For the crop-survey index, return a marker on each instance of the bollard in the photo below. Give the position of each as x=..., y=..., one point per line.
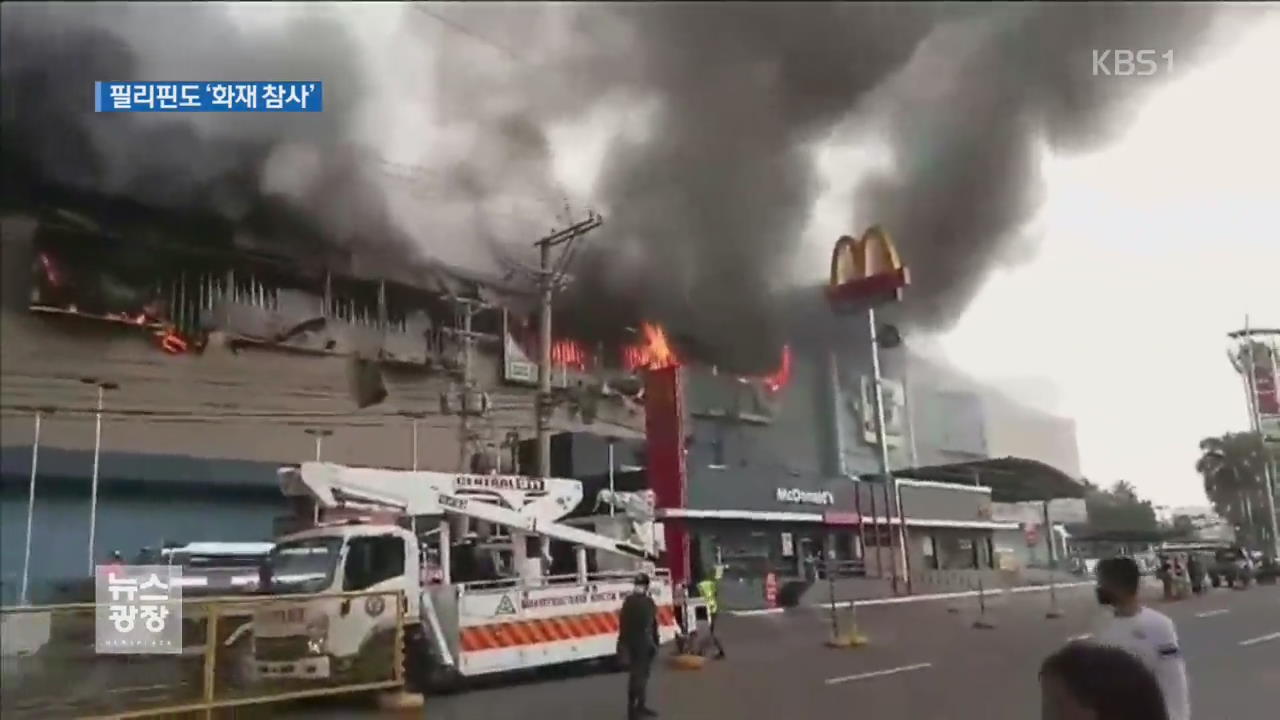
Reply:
x=689, y=656
x=850, y=638
x=954, y=585
x=983, y=622
x=400, y=700
x=1054, y=611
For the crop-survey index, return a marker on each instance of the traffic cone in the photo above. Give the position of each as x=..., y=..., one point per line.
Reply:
x=1054, y=611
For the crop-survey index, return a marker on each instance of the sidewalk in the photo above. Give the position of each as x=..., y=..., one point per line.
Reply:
x=926, y=583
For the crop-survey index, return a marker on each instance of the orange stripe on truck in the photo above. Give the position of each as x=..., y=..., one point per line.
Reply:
x=535, y=632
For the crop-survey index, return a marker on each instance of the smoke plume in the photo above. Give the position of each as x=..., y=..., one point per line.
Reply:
x=705, y=207
x=290, y=175
x=714, y=203
x=971, y=116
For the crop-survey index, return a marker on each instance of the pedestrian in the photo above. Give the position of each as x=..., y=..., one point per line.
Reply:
x=1166, y=576
x=1087, y=681
x=1147, y=634
x=638, y=645
x=1195, y=571
x=707, y=589
x=116, y=562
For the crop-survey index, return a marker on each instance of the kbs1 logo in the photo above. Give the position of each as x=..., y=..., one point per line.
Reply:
x=1126, y=63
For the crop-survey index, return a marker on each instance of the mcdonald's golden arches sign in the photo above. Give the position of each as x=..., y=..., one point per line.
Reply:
x=866, y=270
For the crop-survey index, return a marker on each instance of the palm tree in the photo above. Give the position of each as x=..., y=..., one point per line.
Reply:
x=1234, y=470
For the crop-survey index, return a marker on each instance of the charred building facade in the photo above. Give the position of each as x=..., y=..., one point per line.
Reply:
x=217, y=362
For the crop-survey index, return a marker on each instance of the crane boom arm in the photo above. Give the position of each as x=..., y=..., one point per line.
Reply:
x=542, y=502
x=531, y=524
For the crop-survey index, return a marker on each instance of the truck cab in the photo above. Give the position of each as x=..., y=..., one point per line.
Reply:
x=334, y=636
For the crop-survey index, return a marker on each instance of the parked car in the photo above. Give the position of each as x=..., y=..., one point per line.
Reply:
x=1231, y=566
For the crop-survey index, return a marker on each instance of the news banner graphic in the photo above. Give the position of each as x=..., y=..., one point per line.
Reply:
x=208, y=96
x=139, y=610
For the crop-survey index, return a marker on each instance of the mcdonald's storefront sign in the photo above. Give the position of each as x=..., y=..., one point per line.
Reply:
x=866, y=270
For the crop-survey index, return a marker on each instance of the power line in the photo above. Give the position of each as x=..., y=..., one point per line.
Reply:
x=458, y=27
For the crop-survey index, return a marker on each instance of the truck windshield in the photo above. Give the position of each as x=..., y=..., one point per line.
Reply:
x=301, y=566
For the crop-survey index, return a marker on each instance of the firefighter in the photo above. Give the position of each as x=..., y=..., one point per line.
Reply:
x=707, y=589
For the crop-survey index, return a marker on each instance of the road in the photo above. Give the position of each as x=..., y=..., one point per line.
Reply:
x=924, y=662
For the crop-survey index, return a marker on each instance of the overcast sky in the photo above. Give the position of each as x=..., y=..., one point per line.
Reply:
x=1152, y=250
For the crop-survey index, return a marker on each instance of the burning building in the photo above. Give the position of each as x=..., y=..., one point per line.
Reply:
x=224, y=361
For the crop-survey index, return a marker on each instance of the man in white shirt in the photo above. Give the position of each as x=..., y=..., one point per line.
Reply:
x=1148, y=634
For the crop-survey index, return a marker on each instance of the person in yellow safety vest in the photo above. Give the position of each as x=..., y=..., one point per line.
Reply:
x=707, y=589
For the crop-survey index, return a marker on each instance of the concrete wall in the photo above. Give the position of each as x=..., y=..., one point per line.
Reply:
x=127, y=521
x=1015, y=430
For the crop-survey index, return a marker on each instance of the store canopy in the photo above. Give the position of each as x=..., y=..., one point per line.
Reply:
x=1123, y=536
x=1010, y=479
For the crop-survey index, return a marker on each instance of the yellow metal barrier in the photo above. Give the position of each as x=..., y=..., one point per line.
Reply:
x=51, y=670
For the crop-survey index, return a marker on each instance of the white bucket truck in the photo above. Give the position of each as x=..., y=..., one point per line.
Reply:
x=524, y=591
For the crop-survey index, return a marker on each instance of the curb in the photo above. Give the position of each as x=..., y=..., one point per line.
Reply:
x=910, y=599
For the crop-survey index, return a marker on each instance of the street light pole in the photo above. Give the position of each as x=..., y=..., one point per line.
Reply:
x=31, y=501
x=612, y=508
x=882, y=444
x=319, y=434
x=102, y=386
x=414, y=417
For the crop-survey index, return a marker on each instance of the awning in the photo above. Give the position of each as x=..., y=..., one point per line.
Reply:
x=1123, y=536
x=1010, y=479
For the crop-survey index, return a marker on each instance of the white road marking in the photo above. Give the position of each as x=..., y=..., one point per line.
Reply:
x=877, y=673
x=913, y=598
x=1211, y=613
x=1260, y=639
x=1085, y=636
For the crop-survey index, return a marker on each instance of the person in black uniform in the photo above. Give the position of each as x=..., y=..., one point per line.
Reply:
x=638, y=645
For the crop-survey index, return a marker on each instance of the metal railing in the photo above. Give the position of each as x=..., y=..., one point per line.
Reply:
x=46, y=646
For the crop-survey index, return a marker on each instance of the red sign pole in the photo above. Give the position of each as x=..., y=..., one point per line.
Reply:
x=664, y=432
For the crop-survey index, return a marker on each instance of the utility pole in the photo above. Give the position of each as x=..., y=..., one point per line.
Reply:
x=550, y=277
x=882, y=446
x=469, y=308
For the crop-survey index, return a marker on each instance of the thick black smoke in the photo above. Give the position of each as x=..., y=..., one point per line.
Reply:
x=970, y=117
x=710, y=209
x=704, y=211
x=292, y=173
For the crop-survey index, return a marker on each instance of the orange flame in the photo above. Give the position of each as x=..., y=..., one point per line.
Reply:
x=778, y=379
x=569, y=353
x=171, y=342
x=654, y=353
